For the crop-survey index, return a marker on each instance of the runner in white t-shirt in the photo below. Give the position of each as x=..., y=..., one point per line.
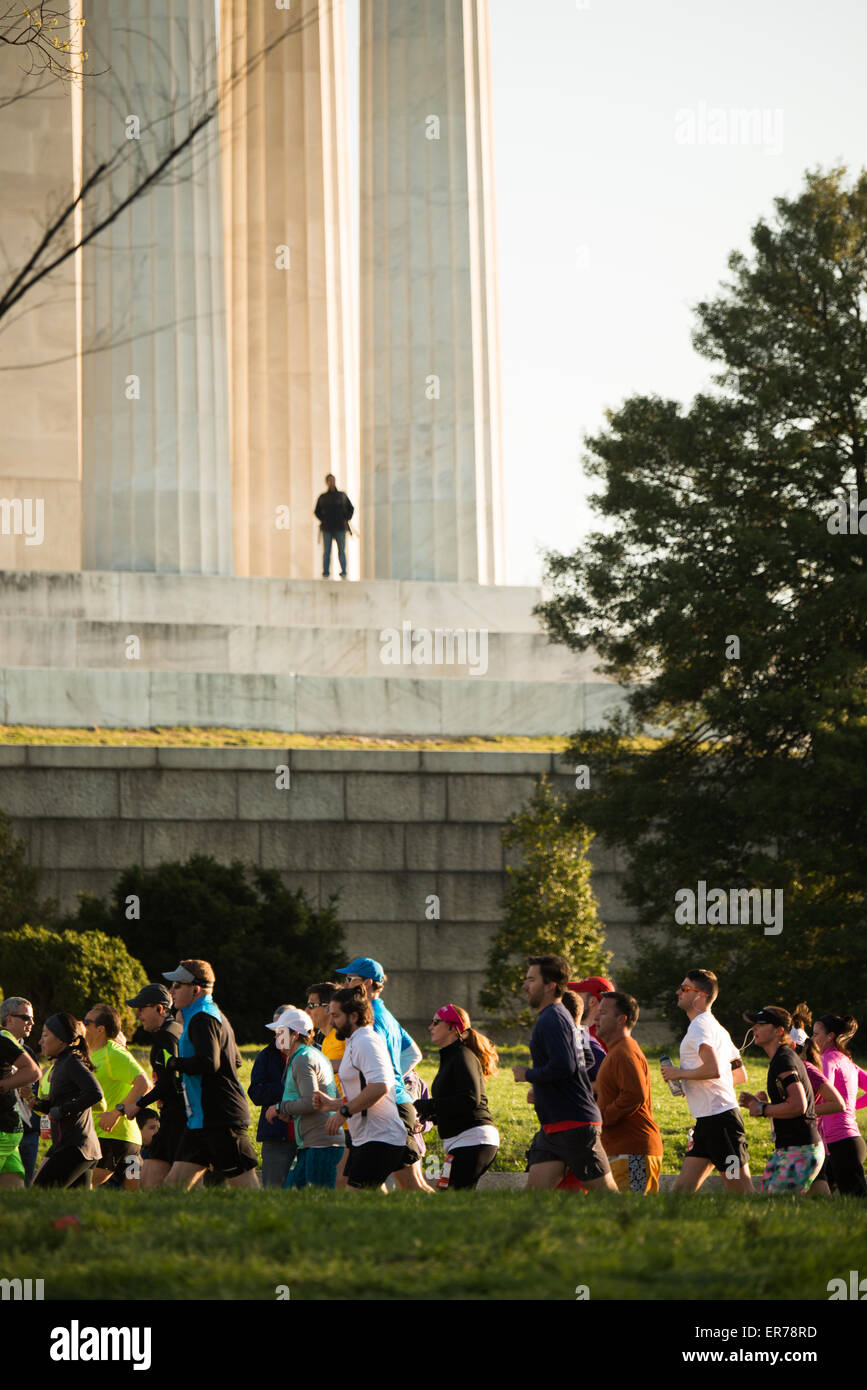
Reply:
x=377, y=1134
x=710, y=1065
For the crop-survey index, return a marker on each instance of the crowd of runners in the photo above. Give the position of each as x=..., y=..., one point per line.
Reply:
x=342, y=1104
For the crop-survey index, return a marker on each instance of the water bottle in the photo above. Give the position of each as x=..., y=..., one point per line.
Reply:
x=674, y=1086
x=443, y=1180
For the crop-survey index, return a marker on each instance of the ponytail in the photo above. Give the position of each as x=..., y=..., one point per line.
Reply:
x=843, y=1026
x=484, y=1049
x=480, y=1046
x=68, y=1029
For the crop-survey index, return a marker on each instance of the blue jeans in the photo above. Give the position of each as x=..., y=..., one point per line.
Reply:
x=327, y=538
x=27, y=1150
x=277, y=1156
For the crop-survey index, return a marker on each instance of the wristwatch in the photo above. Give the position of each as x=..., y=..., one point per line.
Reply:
x=762, y=1103
x=344, y=1110
x=120, y=1107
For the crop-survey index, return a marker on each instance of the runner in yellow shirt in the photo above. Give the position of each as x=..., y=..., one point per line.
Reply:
x=122, y=1081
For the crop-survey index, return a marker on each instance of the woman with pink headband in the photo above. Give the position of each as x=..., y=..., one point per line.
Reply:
x=458, y=1105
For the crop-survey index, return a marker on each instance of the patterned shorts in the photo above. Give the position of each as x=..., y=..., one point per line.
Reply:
x=636, y=1172
x=792, y=1170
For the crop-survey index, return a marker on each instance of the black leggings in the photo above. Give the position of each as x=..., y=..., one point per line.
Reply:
x=469, y=1164
x=64, y=1169
x=845, y=1166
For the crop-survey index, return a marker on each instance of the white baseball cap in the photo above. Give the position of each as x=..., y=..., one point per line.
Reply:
x=295, y=1019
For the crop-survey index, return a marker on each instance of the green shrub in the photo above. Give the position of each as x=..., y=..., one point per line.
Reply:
x=265, y=942
x=69, y=971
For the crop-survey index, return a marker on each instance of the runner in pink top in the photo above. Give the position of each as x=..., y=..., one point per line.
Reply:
x=845, y=1147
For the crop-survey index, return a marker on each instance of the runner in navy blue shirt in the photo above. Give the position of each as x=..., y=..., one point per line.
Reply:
x=570, y=1121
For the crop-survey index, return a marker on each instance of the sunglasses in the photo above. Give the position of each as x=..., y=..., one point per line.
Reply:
x=28, y=1018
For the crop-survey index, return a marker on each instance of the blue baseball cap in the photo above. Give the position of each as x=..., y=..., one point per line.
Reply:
x=365, y=968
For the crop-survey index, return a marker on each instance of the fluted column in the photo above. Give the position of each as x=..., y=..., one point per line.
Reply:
x=155, y=448
x=294, y=414
x=39, y=460
x=430, y=395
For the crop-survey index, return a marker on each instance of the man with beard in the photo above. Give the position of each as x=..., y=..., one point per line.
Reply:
x=377, y=1134
x=568, y=1115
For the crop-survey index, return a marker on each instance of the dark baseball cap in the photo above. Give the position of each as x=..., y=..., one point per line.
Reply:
x=151, y=994
x=771, y=1013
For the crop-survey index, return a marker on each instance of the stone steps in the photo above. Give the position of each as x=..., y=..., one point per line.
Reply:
x=129, y=596
x=68, y=643
x=61, y=697
x=292, y=655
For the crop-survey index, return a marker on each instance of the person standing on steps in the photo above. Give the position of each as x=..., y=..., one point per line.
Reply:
x=333, y=511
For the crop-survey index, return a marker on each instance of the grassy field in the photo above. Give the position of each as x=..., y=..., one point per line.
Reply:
x=222, y=1244
x=486, y=1245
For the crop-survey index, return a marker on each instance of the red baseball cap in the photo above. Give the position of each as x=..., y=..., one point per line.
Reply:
x=594, y=984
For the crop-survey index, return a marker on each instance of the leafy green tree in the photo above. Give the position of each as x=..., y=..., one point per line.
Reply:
x=723, y=596
x=549, y=905
x=19, y=883
x=69, y=971
x=265, y=942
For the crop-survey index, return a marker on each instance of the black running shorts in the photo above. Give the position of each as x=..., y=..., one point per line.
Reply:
x=719, y=1139
x=227, y=1151
x=368, y=1165
x=580, y=1149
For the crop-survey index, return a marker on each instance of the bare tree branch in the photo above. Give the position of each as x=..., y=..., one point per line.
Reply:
x=60, y=241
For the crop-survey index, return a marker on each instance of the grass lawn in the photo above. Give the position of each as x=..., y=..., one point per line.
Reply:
x=187, y=736
x=222, y=1244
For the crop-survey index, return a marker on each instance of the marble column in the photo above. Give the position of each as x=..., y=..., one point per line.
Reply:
x=39, y=461
x=154, y=402
x=294, y=414
x=430, y=393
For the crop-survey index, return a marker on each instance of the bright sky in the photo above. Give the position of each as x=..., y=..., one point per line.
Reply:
x=611, y=224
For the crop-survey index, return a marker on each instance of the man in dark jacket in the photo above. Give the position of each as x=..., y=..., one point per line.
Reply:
x=333, y=510
x=266, y=1089
x=569, y=1117
x=155, y=1012
x=207, y=1063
